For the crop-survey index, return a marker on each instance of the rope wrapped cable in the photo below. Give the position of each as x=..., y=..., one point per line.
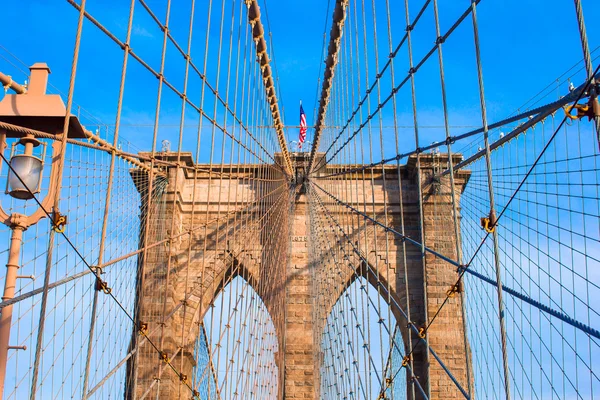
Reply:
x=92, y=270
x=335, y=35
x=101, y=144
x=465, y=268
x=164, y=81
x=539, y=114
x=270, y=89
x=587, y=60
x=394, y=304
x=8, y=83
x=397, y=88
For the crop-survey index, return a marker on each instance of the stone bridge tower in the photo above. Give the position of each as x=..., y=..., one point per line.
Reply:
x=218, y=217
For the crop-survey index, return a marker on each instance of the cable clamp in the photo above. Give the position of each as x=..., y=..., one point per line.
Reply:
x=422, y=332
x=163, y=356
x=440, y=40
x=183, y=377
x=102, y=286
x=7, y=86
x=143, y=328
x=195, y=394
x=450, y=140
x=59, y=222
x=489, y=223
x=595, y=106
x=412, y=71
x=453, y=290
x=583, y=110
x=405, y=360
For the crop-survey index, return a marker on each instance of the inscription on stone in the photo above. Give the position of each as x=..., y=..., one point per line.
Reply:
x=299, y=239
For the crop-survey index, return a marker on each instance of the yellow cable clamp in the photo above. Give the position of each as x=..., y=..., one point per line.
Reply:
x=583, y=110
x=485, y=224
x=102, y=286
x=163, y=356
x=143, y=328
x=405, y=361
x=59, y=222
x=422, y=332
x=453, y=290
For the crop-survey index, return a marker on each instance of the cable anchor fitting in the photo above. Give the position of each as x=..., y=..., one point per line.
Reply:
x=59, y=222
x=102, y=286
x=589, y=110
x=163, y=356
x=143, y=328
x=489, y=223
x=453, y=290
x=405, y=360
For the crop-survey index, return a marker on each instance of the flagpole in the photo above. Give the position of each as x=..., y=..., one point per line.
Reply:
x=299, y=141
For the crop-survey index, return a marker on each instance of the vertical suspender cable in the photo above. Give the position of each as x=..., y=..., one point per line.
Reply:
x=492, y=216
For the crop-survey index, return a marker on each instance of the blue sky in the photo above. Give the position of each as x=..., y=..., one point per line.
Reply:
x=525, y=46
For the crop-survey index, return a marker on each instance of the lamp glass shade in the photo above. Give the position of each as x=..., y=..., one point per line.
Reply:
x=29, y=168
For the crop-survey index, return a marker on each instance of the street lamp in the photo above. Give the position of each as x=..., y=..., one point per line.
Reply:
x=35, y=110
x=26, y=166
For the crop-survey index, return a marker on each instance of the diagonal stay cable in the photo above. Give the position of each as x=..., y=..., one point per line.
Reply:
x=394, y=303
x=539, y=112
x=92, y=270
x=395, y=90
x=391, y=56
x=464, y=268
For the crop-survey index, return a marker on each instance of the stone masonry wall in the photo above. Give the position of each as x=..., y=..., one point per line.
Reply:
x=227, y=220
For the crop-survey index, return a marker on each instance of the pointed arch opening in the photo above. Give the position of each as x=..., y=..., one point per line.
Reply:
x=362, y=347
x=237, y=346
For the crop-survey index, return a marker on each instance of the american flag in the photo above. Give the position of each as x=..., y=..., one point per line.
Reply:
x=303, y=127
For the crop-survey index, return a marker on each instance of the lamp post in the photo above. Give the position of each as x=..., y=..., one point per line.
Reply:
x=29, y=168
x=33, y=109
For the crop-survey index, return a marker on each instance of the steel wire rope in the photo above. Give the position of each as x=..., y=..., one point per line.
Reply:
x=540, y=112
x=465, y=268
x=353, y=309
x=394, y=303
x=91, y=269
x=462, y=268
x=161, y=77
x=411, y=72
